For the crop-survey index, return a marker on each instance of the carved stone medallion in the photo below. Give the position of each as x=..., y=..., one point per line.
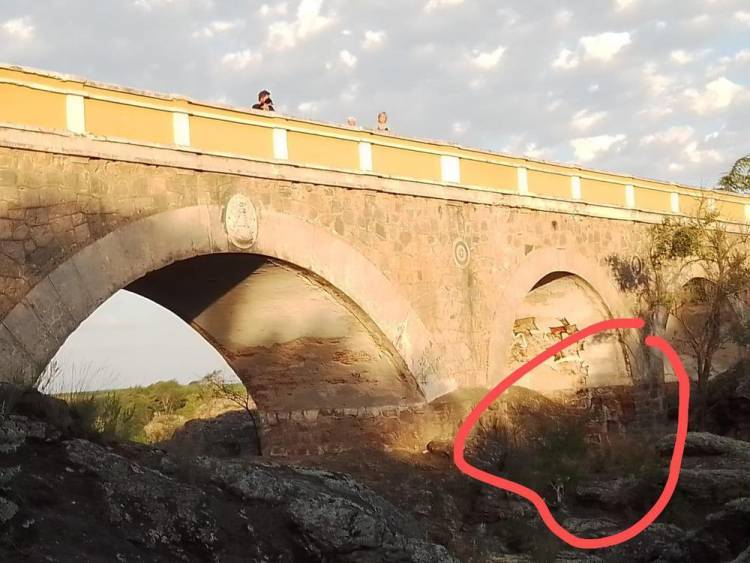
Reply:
x=241, y=221
x=461, y=253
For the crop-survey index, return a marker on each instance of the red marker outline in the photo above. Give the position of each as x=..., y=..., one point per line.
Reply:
x=532, y=496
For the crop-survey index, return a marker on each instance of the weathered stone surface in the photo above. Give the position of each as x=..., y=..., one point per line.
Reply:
x=150, y=507
x=705, y=444
x=714, y=485
x=8, y=510
x=339, y=518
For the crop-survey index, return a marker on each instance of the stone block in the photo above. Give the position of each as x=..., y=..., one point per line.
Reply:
x=72, y=291
x=31, y=333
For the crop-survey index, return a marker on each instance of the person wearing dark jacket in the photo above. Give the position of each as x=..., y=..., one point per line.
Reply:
x=264, y=101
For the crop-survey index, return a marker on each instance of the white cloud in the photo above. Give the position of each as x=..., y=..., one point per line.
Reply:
x=566, y=60
x=347, y=58
x=489, y=60
x=215, y=28
x=309, y=21
x=349, y=94
x=460, y=127
x=605, y=46
x=149, y=5
x=563, y=18
x=657, y=83
x=681, y=56
x=742, y=16
x=279, y=9
x=19, y=28
x=373, y=39
x=240, y=59
x=532, y=150
x=433, y=5
x=621, y=5
x=584, y=119
x=308, y=107
x=588, y=148
x=678, y=134
x=717, y=95
x=698, y=156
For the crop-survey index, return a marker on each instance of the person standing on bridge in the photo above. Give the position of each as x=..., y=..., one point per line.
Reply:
x=383, y=122
x=264, y=101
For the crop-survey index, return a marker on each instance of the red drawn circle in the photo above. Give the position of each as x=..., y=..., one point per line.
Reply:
x=532, y=496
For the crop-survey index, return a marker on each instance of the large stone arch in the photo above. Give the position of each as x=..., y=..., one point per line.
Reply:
x=533, y=268
x=38, y=325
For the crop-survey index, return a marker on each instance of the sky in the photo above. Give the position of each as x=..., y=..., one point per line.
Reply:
x=653, y=88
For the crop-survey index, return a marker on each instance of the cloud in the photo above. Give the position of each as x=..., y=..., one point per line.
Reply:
x=308, y=107
x=433, y=5
x=588, y=148
x=563, y=18
x=605, y=46
x=681, y=57
x=621, y=5
x=486, y=61
x=347, y=58
x=19, y=28
x=566, y=60
x=717, y=95
x=373, y=39
x=460, y=127
x=283, y=34
x=278, y=9
x=215, y=28
x=678, y=134
x=584, y=119
x=742, y=16
x=149, y=5
x=240, y=59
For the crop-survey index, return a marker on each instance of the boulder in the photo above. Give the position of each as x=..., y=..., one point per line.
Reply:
x=148, y=507
x=338, y=518
x=8, y=510
x=725, y=532
x=713, y=486
x=706, y=444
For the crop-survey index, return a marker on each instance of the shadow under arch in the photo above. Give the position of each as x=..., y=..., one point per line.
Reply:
x=38, y=325
x=546, y=264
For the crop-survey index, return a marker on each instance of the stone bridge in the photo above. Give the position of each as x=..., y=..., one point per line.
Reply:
x=448, y=265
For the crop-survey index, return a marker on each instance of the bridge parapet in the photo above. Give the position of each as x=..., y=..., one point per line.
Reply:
x=31, y=98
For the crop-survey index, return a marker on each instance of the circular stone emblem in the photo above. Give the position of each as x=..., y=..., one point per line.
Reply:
x=241, y=221
x=461, y=253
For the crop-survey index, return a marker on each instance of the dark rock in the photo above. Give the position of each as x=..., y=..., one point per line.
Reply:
x=724, y=533
x=229, y=434
x=149, y=507
x=8, y=510
x=713, y=485
x=590, y=527
x=338, y=518
x=15, y=430
x=619, y=492
x=659, y=543
x=706, y=444
x=441, y=447
x=743, y=557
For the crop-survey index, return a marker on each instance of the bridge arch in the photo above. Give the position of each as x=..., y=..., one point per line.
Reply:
x=38, y=325
x=535, y=269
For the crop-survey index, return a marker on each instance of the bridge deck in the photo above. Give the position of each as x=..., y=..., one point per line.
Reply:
x=39, y=99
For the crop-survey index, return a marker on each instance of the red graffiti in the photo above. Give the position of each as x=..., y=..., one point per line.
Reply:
x=534, y=497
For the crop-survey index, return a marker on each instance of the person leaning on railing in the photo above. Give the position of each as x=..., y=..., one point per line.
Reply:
x=264, y=101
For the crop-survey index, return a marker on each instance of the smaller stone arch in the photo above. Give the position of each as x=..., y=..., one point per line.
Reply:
x=536, y=266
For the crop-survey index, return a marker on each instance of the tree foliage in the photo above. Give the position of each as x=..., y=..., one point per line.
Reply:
x=701, y=248
x=738, y=179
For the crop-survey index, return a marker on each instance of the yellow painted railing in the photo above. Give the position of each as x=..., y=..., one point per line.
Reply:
x=39, y=99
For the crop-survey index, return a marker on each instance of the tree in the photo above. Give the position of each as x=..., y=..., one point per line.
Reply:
x=218, y=387
x=701, y=244
x=738, y=179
